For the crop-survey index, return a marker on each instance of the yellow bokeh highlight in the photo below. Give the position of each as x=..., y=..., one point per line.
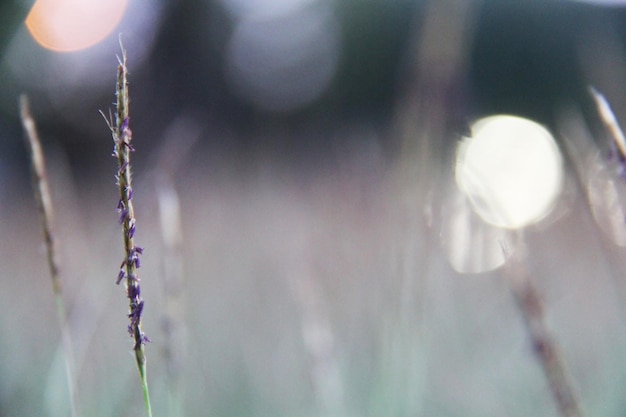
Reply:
x=73, y=25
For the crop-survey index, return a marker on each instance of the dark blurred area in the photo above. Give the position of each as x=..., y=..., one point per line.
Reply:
x=288, y=77
x=191, y=65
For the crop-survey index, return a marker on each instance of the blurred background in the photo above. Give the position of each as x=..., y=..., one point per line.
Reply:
x=312, y=247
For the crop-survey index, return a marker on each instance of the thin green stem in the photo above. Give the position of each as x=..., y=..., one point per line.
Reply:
x=68, y=353
x=141, y=365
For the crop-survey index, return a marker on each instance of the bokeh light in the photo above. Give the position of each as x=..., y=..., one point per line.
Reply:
x=72, y=25
x=264, y=8
x=283, y=61
x=72, y=81
x=471, y=245
x=510, y=170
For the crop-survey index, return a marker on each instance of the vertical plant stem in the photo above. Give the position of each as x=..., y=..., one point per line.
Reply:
x=44, y=207
x=122, y=136
x=178, y=141
x=173, y=283
x=544, y=346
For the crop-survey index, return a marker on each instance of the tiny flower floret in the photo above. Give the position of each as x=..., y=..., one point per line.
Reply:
x=120, y=276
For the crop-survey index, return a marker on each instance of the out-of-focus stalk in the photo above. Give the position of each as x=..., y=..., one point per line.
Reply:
x=44, y=206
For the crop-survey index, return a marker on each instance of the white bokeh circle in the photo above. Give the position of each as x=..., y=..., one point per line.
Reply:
x=510, y=169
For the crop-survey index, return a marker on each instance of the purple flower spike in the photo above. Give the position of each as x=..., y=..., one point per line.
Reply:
x=123, y=215
x=123, y=168
x=143, y=340
x=125, y=124
x=134, y=291
x=122, y=137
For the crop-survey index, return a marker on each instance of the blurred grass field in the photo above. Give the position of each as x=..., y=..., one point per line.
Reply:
x=304, y=295
x=316, y=210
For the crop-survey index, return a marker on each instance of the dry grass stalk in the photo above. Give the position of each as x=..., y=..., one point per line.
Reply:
x=544, y=346
x=46, y=214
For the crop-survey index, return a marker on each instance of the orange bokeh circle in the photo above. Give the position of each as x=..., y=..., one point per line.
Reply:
x=72, y=25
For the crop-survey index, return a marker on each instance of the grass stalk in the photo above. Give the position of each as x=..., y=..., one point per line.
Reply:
x=173, y=283
x=122, y=136
x=179, y=139
x=544, y=346
x=46, y=214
